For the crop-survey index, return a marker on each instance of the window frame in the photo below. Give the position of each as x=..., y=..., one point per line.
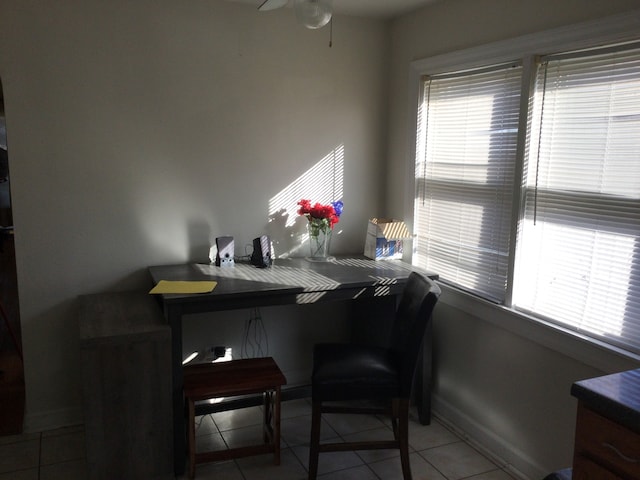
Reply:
x=615, y=29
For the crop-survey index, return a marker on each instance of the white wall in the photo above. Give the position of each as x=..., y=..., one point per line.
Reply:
x=501, y=379
x=140, y=131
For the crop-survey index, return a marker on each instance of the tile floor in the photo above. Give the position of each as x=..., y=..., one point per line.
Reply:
x=437, y=452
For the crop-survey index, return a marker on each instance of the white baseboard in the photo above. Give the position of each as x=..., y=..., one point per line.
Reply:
x=516, y=462
x=50, y=420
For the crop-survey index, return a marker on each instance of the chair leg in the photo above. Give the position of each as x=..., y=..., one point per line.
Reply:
x=314, y=445
x=403, y=437
x=191, y=437
x=394, y=421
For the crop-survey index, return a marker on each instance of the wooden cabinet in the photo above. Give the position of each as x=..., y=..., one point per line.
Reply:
x=585, y=469
x=12, y=388
x=607, y=442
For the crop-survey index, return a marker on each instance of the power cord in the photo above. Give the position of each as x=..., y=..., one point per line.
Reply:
x=255, y=335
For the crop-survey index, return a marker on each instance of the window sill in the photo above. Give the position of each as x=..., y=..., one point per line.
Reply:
x=572, y=344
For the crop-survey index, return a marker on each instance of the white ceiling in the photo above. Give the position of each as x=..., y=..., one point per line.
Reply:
x=365, y=8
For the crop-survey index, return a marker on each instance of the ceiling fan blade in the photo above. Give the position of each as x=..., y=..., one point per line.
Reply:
x=272, y=5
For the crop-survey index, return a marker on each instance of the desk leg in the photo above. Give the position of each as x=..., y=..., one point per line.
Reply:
x=372, y=320
x=174, y=318
x=422, y=384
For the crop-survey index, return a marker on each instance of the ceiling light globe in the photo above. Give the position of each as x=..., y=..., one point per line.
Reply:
x=313, y=13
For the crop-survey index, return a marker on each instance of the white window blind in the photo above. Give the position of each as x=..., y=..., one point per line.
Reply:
x=578, y=260
x=465, y=160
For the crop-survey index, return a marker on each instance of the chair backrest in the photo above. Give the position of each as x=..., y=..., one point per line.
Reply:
x=413, y=315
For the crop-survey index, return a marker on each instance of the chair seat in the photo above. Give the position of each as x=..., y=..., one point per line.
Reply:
x=351, y=372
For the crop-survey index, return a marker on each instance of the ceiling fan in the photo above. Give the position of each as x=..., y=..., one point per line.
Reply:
x=310, y=13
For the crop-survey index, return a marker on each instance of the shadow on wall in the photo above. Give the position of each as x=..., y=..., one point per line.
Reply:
x=199, y=233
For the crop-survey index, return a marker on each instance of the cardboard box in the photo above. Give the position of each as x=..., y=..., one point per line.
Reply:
x=384, y=239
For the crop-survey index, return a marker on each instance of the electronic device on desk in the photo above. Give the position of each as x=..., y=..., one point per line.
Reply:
x=261, y=256
x=226, y=250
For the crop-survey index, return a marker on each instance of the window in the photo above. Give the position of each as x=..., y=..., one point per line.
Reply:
x=579, y=251
x=464, y=170
x=544, y=219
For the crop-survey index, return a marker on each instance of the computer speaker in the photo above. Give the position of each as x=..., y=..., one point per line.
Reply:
x=261, y=256
x=226, y=250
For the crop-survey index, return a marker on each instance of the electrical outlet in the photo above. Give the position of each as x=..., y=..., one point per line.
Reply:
x=212, y=354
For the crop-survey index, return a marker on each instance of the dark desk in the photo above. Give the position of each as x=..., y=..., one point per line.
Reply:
x=287, y=282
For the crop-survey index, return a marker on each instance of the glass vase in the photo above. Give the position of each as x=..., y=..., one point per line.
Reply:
x=319, y=243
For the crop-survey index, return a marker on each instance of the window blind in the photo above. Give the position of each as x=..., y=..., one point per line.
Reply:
x=465, y=160
x=578, y=256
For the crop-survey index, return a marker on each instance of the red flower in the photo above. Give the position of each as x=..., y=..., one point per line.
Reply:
x=325, y=213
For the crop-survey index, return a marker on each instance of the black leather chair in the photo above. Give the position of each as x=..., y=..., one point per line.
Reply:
x=380, y=377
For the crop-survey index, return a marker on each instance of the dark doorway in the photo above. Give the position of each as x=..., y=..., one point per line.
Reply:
x=12, y=390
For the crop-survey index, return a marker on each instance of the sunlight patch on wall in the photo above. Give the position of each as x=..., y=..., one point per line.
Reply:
x=323, y=183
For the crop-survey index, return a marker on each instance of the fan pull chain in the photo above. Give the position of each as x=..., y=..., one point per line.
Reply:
x=331, y=32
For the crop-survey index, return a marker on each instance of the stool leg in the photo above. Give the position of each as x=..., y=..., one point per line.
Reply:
x=266, y=417
x=276, y=427
x=191, y=437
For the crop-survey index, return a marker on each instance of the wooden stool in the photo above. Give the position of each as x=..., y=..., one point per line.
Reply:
x=230, y=379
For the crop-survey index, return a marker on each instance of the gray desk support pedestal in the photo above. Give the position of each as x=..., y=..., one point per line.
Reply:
x=126, y=375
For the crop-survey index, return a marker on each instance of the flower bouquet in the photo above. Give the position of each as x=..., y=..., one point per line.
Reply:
x=322, y=219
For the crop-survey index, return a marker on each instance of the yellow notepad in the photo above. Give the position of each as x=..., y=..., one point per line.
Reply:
x=169, y=286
